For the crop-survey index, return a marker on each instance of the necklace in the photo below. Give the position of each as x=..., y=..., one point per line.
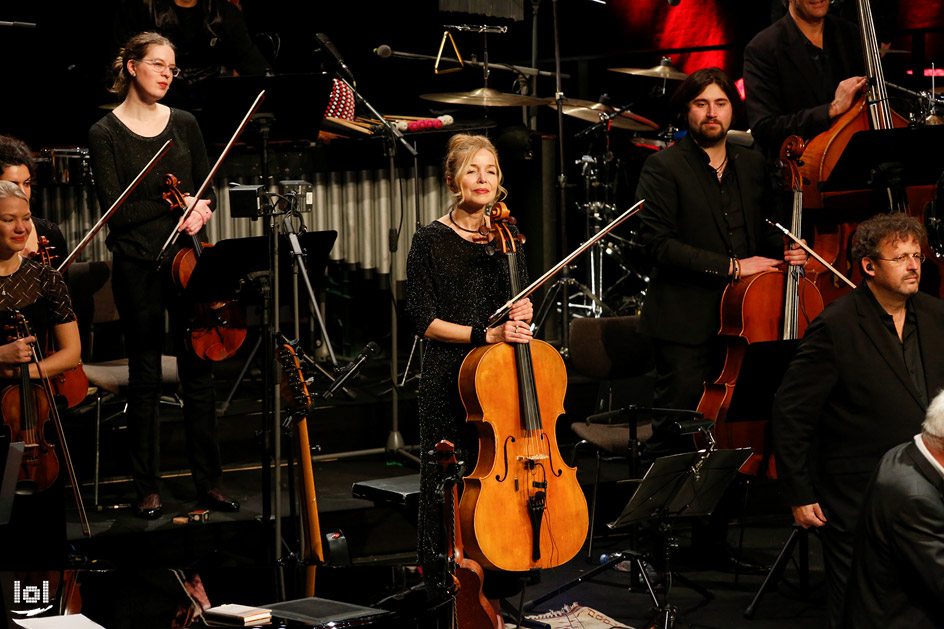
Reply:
x=470, y=231
x=720, y=169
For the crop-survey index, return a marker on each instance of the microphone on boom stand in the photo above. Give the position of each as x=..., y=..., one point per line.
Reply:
x=348, y=372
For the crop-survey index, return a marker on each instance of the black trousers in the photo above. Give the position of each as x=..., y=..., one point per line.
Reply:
x=681, y=372
x=142, y=293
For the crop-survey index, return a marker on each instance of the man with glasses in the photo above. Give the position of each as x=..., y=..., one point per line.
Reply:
x=859, y=385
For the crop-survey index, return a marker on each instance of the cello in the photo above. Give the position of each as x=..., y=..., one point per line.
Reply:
x=513, y=395
x=871, y=112
x=758, y=308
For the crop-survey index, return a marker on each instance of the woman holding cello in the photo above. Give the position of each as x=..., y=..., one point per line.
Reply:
x=39, y=293
x=454, y=282
x=121, y=144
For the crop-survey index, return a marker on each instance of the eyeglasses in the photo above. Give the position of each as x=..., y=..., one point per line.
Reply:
x=160, y=66
x=919, y=257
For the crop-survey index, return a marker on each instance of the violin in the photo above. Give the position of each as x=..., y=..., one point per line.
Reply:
x=217, y=329
x=70, y=385
x=25, y=409
x=471, y=610
x=758, y=308
x=522, y=507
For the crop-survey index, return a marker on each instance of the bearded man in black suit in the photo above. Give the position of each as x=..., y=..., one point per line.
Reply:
x=898, y=569
x=858, y=385
x=702, y=225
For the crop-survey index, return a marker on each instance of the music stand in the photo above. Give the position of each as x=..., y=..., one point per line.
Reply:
x=869, y=153
x=680, y=485
x=10, y=456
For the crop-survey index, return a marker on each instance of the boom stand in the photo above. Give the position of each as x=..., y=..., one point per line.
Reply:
x=392, y=136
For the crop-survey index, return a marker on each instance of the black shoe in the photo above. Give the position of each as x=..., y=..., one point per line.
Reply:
x=149, y=507
x=215, y=499
x=728, y=561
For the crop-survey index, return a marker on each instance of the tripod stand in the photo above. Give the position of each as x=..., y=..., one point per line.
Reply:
x=681, y=485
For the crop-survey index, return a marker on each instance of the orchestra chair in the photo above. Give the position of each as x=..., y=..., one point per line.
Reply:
x=94, y=305
x=608, y=349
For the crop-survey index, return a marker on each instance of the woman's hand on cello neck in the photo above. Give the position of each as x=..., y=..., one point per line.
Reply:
x=517, y=329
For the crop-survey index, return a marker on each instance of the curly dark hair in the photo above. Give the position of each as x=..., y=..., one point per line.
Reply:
x=14, y=152
x=868, y=237
x=695, y=84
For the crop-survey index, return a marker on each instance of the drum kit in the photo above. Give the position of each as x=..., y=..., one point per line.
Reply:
x=623, y=292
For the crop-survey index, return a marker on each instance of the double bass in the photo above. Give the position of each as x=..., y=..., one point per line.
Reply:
x=833, y=237
x=768, y=306
x=522, y=507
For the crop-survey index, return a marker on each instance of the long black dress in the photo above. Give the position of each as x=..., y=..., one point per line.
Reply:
x=462, y=282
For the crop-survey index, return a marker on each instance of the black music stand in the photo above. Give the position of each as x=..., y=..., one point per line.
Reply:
x=681, y=485
x=10, y=456
x=910, y=154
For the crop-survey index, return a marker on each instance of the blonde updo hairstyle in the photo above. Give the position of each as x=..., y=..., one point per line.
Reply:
x=134, y=50
x=461, y=149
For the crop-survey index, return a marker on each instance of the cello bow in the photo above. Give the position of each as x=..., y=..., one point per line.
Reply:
x=810, y=251
x=551, y=272
x=69, y=259
x=162, y=255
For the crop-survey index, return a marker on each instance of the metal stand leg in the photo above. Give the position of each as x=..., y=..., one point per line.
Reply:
x=798, y=535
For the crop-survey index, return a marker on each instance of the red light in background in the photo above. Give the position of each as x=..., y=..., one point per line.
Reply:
x=740, y=85
x=930, y=72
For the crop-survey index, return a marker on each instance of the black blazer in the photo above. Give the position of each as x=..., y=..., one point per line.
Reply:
x=781, y=97
x=847, y=398
x=898, y=569
x=685, y=235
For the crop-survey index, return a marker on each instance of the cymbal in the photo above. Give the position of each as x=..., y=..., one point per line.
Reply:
x=484, y=97
x=590, y=111
x=658, y=72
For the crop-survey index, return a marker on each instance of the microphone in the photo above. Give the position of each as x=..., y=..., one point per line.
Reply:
x=385, y=52
x=348, y=372
x=326, y=45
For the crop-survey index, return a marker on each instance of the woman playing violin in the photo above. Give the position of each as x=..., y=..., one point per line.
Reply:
x=454, y=282
x=39, y=293
x=121, y=144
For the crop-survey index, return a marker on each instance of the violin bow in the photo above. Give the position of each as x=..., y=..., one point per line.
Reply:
x=810, y=251
x=69, y=259
x=174, y=235
x=504, y=310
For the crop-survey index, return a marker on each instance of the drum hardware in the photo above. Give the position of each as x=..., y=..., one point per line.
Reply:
x=485, y=97
x=600, y=113
x=664, y=71
x=927, y=107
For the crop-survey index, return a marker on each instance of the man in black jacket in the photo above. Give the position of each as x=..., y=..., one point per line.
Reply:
x=859, y=385
x=898, y=570
x=702, y=225
x=801, y=73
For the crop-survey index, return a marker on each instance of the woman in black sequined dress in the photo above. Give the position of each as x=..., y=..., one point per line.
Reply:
x=455, y=281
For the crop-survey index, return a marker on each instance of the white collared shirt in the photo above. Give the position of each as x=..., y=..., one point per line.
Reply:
x=927, y=454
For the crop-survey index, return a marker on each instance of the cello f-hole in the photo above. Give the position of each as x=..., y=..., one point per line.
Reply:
x=502, y=478
x=550, y=460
